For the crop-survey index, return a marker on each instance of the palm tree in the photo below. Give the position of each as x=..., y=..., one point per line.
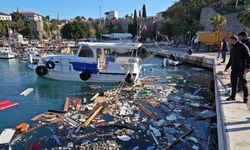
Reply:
x=218, y=22
x=244, y=16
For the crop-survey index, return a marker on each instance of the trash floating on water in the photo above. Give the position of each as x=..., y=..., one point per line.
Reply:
x=171, y=117
x=27, y=92
x=193, y=139
x=7, y=104
x=195, y=147
x=6, y=136
x=124, y=138
x=153, y=112
x=206, y=114
x=23, y=127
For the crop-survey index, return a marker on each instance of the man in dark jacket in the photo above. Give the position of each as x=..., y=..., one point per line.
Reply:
x=239, y=62
x=224, y=50
x=243, y=37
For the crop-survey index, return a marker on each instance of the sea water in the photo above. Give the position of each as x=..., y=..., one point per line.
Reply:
x=15, y=78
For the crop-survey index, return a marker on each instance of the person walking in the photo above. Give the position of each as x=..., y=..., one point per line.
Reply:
x=243, y=37
x=224, y=50
x=239, y=62
x=219, y=49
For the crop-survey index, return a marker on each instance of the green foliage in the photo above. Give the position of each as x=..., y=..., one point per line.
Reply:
x=183, y=17
x=54, y=25
x=79, y=18
x=135, y=21
x=244, y=16
x=29, y=30
x=2, y=30
x=76, y=30
x=133, y=28
x=218, y=22
x=144, y=11
x=23, y=26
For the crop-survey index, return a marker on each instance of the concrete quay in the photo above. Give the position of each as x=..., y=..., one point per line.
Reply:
x=233, y=117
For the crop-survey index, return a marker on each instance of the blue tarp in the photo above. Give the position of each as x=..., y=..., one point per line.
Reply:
x=81, y=66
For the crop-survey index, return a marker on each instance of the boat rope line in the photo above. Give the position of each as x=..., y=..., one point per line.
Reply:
x=154, y=54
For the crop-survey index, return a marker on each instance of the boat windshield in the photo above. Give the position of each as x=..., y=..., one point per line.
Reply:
x=86, y=52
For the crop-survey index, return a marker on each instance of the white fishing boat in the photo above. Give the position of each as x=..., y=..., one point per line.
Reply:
x=94, y=62
x=34, y=60
x=6, y=53
x=28, y=52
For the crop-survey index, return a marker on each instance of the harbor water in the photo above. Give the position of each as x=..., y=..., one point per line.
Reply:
x=15, y=78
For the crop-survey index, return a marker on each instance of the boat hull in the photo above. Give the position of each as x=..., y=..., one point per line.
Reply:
x=8, y=56
x=99, y=77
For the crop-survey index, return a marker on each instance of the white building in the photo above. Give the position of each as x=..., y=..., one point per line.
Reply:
x=111, y=15
x=37, y=19
x=4, y=16
x=32, y=16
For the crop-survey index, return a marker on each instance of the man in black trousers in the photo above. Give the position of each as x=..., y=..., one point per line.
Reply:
x=239, y=62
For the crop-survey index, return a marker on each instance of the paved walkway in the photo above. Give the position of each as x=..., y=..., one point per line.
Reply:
x=233, y=116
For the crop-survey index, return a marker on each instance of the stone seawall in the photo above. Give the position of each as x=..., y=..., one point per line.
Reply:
x=233, y=23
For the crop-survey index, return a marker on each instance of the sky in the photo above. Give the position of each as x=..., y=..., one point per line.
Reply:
x=68, y=9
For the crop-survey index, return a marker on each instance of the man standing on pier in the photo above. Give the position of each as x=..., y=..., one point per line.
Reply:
x=239, y=62
x=243, y=37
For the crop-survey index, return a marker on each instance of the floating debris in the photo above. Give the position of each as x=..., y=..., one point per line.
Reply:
x=124, y=138
x=27, y=91
x=138, y=114
x=193, y=139
x=7, y=104
x=6, y=136
x=171, y=117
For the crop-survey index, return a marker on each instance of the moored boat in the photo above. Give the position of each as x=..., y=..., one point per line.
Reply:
x=94, y=62
x=28, y=52
x=6, y=53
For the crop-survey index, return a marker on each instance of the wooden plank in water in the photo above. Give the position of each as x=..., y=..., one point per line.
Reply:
x=38, y=117
x=66, y=105
x=146, y=111
x=92, y=116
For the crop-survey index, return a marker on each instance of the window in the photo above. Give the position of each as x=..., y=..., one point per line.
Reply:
x=86, y=52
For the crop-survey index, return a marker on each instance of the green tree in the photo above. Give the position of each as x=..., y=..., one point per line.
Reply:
x=76, y=30
x=24, y=26
x=90, y=19
x=140, y=14
x=182, y=18
x=79, y=18
x=218, y=22
x=244, y=16
x=133, y=28
x=2, y=30
x=54, y=25
x=135, y=18
x=144, y=11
